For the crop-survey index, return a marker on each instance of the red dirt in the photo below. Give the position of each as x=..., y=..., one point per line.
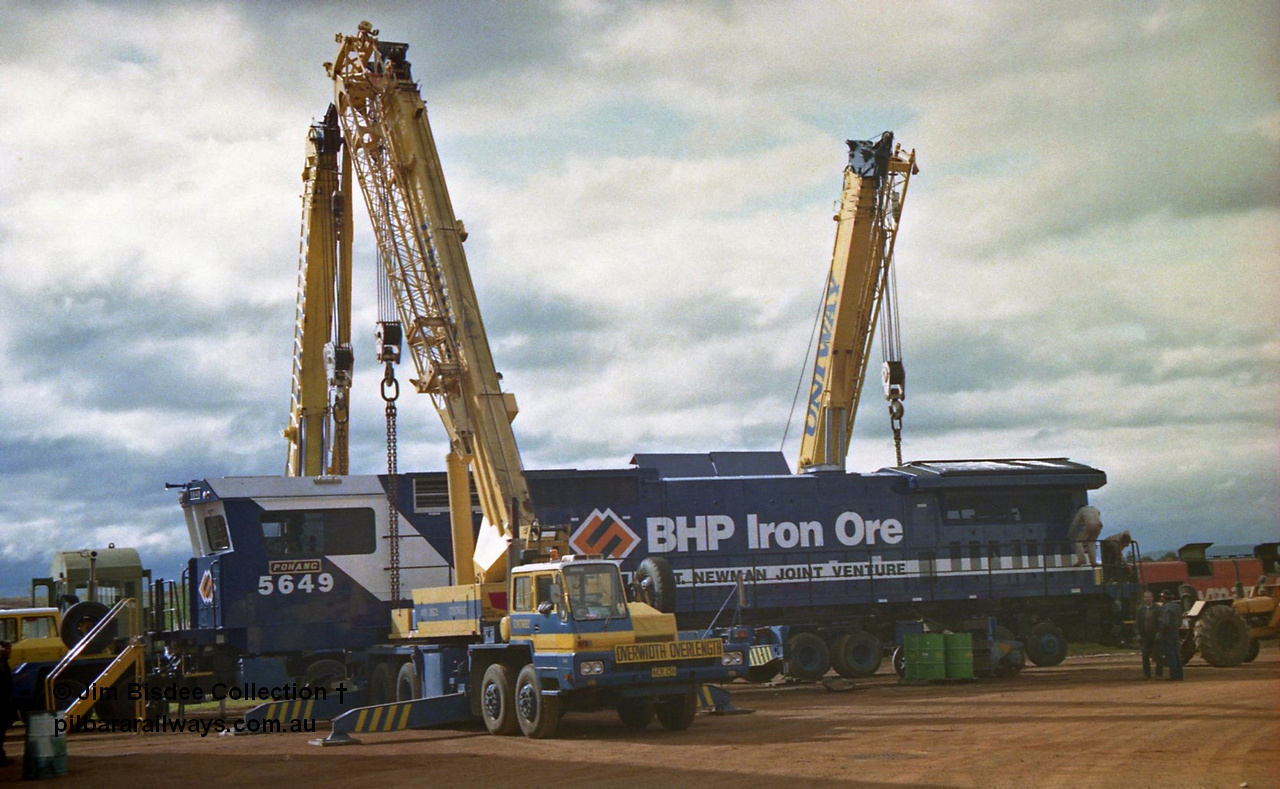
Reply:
x=1090, y=722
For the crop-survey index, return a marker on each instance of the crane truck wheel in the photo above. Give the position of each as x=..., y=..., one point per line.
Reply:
x=656, y=584
x=497, y=700
x=325, y=673
x=1222, y=636
x=676, y=713
x=80, y=619
x=382, y=684
x=857, y=654
x=635, y=713
x=408, y=684
x=1046, y=645
x=808, y=658
x=538, y=715
x=762, y=674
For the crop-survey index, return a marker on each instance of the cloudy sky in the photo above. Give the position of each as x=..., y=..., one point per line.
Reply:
x=1088, y=260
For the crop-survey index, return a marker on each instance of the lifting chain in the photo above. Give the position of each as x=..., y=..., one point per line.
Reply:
x=390, y=393
x=895, y=422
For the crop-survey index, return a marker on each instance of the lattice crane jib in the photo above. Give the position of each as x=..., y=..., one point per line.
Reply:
x=389, y=140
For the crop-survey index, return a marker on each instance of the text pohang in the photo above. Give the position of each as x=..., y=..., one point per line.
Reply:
x=706, y=532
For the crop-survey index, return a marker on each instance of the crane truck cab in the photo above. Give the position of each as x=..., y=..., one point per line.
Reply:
x=564, y=637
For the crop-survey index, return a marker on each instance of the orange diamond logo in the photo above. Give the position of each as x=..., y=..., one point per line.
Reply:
x=606, y=534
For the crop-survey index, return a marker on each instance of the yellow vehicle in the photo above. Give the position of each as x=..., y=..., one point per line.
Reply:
x=33, y=633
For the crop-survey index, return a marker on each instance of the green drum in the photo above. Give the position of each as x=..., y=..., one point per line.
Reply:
x=45, y=752
x=926, y=656
x=959, y=656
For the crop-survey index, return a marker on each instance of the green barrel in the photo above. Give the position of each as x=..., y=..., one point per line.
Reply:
x=45, y=753
x=926, y=656
x=959, y=648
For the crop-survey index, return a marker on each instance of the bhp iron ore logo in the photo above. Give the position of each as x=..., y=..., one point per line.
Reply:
x=606, y=534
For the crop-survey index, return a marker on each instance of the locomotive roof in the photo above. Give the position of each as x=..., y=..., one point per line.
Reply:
x=1055, y=472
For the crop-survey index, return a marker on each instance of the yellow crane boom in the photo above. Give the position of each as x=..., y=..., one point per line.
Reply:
x=875, y=187
x=389, y=141
x=322, y=355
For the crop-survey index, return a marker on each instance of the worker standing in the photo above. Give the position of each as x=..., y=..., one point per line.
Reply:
x=1148, y=627
x=1113, y=566
x=1170, y=632
x=6, y=698
x=1086, y=525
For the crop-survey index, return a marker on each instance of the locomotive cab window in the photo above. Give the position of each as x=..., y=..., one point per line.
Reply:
x=337, y=532
x=215, y=533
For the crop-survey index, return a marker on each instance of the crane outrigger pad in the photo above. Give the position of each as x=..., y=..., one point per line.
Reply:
x=398, y=716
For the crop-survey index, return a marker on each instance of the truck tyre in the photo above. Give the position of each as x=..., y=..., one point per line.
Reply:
x=325, y=673
x=80, y=619
x=857, y=654
x=900, y=661
x=635, y=713
x=1254, y=646
x=656, y=584
x=538, y=715
x=762, y=674
x=1046, y=645
x=408, y=683
x=497, y=700
x=808, y=658
x=676, y=713
x=1222, y=636
x=382, y=684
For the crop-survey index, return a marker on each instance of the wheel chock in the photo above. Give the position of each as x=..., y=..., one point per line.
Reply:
x=717, y=701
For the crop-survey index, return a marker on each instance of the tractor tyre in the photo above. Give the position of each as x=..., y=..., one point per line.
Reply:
x=1222, y=636
x=808, y=657
x=900, y=661
x=1254, y=646
x=80, y=619
x=1046, y=645
x=656, y=584
x=1187, y=648
x=857, y=654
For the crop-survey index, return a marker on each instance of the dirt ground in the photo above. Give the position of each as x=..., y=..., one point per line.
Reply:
x=1091, y=722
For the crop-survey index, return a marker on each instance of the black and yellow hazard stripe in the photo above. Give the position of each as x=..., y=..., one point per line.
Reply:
x=762, y=654
x=295, y=709
x=384, y=717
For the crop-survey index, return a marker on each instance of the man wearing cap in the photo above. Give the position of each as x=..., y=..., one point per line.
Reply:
x=1170, y=630
x=1148, y=627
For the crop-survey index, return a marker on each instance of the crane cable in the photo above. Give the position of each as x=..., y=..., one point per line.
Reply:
x=390, y=393
x=804, y=365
